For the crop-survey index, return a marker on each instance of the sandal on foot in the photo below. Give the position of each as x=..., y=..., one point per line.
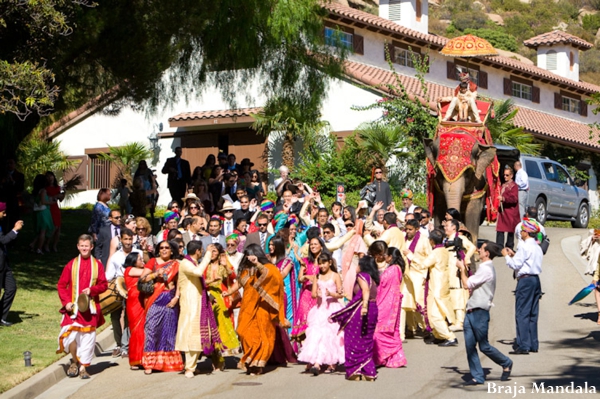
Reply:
x=73, y=370
x=314, y=371
x=329, y=370
x=148, y=372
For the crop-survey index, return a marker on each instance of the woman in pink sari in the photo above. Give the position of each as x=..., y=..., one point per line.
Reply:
x=388, y=343
x=309, y=267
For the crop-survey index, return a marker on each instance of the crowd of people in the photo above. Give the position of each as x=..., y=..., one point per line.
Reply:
x=231, y=273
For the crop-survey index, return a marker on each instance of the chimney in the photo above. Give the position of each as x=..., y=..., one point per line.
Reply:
x=558, y=52
x=412, y=14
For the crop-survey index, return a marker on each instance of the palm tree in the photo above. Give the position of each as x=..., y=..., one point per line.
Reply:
x=383, y=141
x=126, y=158
x=294, y=121
x=37, y=155
x=504, y=131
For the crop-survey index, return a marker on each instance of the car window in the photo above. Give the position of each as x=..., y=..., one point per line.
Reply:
x=563, y=176
x=532, y=169
x=550, y=171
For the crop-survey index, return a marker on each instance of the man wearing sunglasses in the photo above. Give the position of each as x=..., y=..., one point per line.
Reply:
x=106, y=234
x=259, y=237
x=382, y=189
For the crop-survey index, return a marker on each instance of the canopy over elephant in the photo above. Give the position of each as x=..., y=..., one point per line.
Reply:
x=462, y=174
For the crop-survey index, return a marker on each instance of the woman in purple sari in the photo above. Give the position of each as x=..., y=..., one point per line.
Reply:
x=162, y=311
x=388, y=343
x=309, y=267
x=358, y=321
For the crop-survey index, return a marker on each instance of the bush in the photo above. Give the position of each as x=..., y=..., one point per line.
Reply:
x=591, y=22
x=325, y=166
x=497, y=37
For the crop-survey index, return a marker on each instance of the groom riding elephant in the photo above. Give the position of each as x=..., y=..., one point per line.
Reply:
x=457, y=175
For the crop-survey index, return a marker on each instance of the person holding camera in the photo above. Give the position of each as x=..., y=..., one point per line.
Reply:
x=481, y=286
x=460, y=248
x=527, y=263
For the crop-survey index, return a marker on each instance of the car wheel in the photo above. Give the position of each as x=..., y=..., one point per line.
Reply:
x=583, y=217
x=540, y=204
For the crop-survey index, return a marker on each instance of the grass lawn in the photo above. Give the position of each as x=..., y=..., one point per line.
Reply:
x=35, y=309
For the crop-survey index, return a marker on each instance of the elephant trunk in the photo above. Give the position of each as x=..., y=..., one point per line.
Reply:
x=454, y=192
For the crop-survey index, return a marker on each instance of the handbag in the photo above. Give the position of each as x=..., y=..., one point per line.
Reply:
x=146, y=288
x=545, y=244
x=37, y=208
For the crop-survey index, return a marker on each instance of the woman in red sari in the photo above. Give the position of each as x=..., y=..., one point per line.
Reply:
x=134, y=267
x=162, y=311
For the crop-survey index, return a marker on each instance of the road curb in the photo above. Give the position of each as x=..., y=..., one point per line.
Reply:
x=48, y=377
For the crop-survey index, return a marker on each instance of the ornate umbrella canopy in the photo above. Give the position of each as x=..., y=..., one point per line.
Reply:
x=468, y=46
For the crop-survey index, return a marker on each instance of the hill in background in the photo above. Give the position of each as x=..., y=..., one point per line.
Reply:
x=507, y=23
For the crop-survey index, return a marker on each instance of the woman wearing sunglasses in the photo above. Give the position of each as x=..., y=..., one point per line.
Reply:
x=162, y=311
x=508, y=212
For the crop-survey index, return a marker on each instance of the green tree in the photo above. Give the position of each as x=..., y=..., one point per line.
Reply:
x=295, y=121
x=277, y=44
x=382, y=142
x=324, y=165
x=37, y=155
x=126, y=158
x=497, y=37
x=504, y=131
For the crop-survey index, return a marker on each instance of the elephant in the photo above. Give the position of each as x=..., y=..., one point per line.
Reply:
x=457, y=176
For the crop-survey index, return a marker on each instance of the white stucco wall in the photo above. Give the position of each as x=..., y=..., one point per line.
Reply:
x=563, y=62
x=99, y=131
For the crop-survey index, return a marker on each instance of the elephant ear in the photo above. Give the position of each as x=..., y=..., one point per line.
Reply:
x=485, y=156
x=431, y=148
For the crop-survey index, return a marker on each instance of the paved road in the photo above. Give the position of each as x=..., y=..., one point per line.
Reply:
x=569, y=338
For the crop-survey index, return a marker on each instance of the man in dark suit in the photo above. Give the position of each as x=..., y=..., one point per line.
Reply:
x=245, y=211
x=12, y=184
x=105, y=235
x=179, y=176
x=214, y=234
x=259, y=237
x=7, y=280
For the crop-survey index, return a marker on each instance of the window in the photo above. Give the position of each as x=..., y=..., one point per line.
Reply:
x=333, y=35
x=521, y=90
x=551, y=60
x=533, y=169
x=404, y=57
x=402, y=54
x=570, y=104
x=556, y=173
x=562, y=175
x=394, y=10
x=550, y=171
x=99, y=170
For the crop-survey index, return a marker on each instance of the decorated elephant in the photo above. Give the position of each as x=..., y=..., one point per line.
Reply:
x=462, y=174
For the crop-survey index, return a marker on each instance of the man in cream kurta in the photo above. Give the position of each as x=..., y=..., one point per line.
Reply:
x=458, y=295
x=189, y=283
x=439, y=305
x=393, y=236
x=413, y=283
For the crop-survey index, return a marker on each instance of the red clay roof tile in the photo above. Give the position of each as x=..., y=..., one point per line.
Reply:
x=556, y=37
x=228, y=113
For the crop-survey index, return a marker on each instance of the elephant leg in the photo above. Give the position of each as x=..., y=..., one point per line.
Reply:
x=473, y=217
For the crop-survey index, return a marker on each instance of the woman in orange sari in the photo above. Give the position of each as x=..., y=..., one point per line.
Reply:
x=134, y=267
x=262, y=307
x=162, y=311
